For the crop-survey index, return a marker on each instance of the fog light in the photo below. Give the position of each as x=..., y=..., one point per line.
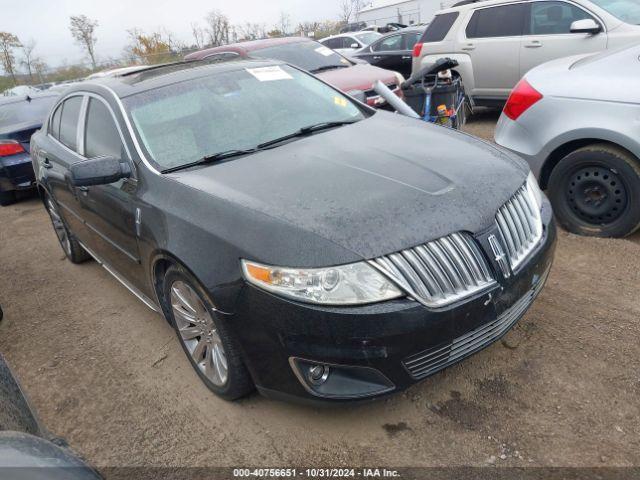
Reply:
x=318, y=374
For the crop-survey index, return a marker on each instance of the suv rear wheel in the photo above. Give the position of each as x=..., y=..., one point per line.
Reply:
x=594, y=191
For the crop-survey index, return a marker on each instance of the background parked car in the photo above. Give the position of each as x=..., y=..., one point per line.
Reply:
x=497, y=42
x=348, y=43
x=389, y=27
x=20, y=117
x=575, y=120
x=310, y=55
x=393, y=51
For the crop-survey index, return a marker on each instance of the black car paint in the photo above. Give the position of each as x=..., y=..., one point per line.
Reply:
x=340, y=196
x=397, y=60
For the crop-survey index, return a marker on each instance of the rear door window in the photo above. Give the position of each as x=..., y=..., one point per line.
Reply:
x=69, y=122
x=410, y=39
x=439, y=27
x=503, y=21
x=553, y=18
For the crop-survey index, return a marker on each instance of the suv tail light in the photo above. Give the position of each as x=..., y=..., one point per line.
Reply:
x=523, y=97
x=10, y=147
x=417, y=50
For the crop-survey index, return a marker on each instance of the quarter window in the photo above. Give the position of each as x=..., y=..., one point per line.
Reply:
x=410, y=40
x=389, y=44
x=439, y=27
x=69, y=122
x=552, y=18
x=504, y=21
x=101, y=135
x=55, y=123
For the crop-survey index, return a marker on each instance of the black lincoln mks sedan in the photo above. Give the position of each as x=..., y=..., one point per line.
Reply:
x=298, y=241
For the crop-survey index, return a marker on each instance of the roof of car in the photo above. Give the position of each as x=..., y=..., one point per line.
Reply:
x=155, y=76
x=248, y=46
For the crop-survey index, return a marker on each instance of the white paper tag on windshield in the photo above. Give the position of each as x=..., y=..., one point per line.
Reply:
x=268, y=74
x=324, y=51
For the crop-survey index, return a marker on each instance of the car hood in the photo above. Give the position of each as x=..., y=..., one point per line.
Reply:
x=374, y=187
x=359, y=77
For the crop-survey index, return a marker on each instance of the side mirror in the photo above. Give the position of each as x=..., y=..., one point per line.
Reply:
x=588, y=25
x=97, y=171
x=355, y=45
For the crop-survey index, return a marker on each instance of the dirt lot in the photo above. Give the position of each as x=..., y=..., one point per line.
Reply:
x=107, y=374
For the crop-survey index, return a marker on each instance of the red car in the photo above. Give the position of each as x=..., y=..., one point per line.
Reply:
x=310, y=55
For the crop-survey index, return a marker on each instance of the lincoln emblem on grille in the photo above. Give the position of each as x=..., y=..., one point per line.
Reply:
x=499, y=255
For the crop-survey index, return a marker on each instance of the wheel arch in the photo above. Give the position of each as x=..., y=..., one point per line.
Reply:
x=571, y=145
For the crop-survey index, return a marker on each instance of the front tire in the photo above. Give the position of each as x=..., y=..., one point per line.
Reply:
x=71, y=247
x=208, y=343
x=594, y=191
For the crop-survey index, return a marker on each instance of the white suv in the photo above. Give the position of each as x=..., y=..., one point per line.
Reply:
x=497, y=41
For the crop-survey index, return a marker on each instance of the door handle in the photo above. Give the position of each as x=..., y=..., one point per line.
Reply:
x=377, y=57
x=84, y=190
x=406, y=57
x=468, y=47
x=46, y=163
x=534, y=44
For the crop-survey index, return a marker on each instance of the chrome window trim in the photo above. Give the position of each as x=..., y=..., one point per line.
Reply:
x=84, y=110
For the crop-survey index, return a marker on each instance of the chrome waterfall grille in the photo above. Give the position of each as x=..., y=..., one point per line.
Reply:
x=430, y=361
x=440, y=272
x=520, y=224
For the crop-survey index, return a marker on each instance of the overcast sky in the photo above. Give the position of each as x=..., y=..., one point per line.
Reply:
x=47, y=21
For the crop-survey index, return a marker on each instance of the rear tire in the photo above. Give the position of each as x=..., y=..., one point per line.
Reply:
x=70, y=246
x=205, y=338
x=594, y=191
x=7, y=198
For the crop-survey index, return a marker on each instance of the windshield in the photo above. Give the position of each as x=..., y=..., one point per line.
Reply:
x=367, y=38
x=232, y=110
x=626, y=10
x=310, y=56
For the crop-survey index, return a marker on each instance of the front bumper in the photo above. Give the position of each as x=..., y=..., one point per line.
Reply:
x=401, y=341
x=16, y=173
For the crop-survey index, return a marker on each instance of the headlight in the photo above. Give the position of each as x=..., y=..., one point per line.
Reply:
x=534, y=188
x=354, y=284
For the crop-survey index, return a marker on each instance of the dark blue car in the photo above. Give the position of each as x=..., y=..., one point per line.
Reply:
x=20, y=117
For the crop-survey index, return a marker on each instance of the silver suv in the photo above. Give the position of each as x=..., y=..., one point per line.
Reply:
x=496, y=42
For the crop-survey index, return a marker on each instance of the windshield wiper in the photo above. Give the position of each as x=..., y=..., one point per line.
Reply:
x=328, y=67
x=211, y=159
x=304, y=131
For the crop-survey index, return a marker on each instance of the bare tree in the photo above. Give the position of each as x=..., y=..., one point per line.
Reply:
x=27, y=57
x=38, y=66
x=252, y=31
x=83, y=31
x=8, y=42
x=198, y=35
x=350, y=8
x=284, y=23
x=217, y=29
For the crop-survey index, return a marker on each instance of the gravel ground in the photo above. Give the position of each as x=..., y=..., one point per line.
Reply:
x=108, y=374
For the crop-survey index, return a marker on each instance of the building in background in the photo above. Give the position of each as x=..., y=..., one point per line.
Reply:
x=408, y=12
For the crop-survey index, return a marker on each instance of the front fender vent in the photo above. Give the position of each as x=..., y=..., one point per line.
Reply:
x=439, y=272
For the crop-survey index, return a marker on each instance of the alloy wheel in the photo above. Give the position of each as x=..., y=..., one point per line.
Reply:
x=198, y=333
x=58, y=226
